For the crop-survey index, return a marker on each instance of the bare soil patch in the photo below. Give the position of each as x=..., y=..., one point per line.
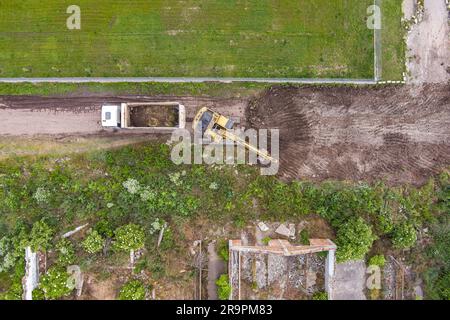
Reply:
x=396, y=134
x=153, y=116
x=96, y=289
x=429, y=46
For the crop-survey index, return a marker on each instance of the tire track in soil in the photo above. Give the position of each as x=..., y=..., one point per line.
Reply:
x=397, y=134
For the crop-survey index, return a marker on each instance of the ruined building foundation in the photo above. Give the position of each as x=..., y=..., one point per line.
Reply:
x=281, y=248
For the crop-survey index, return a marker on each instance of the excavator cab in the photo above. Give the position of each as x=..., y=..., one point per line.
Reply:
x=208, y=120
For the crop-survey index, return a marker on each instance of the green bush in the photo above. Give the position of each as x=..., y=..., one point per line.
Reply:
x=8, y=257
x=222, y=250
x=442, y=285
x=132, y=290
x=103, y=227
x=384, y=223
x=129, y=237
x=38, y=294
x=223, y=287
x=41, y=236
x=437, y=277
x=377, y=260
x=354, y=239
x=93, y=243
x=66, y=252
x=157, y=266
x=168, y=242
x=304, y=237
x=437, y=283
x=404, y=236
x=266, y=240
x=15, y=289
x=54, y=284
x=320, y=296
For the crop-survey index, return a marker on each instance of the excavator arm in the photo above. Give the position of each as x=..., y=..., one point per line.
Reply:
x=215, y=125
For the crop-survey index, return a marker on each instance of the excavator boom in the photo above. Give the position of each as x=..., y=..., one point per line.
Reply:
x=215, y=125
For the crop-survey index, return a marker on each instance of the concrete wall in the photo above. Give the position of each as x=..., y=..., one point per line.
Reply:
x=31, y=278
x=330, y=265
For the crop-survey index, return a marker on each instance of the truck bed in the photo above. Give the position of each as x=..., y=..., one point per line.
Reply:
x=154, y=116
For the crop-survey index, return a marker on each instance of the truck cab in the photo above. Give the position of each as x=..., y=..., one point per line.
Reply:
x=111, y=115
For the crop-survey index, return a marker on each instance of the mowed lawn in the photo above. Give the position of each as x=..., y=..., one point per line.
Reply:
x=190, y=38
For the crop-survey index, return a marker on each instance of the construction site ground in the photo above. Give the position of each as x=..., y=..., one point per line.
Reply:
x=399, y=134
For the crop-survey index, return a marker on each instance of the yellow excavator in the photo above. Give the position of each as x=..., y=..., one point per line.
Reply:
x=214, y=125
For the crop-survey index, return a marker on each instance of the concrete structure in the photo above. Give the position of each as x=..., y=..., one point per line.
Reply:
x=350, y=281
x=282, y=248
x=31, y=279
x=330, y=271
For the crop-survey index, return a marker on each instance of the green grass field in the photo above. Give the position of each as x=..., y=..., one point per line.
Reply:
x=253, y=38
x=196, y=38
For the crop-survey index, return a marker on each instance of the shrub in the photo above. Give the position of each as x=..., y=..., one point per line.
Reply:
x=384, y=223
x=168, y=241
x=266, y=240
x=15, y=289
x=437, y=284
x=7, y=254
x=132, y=186
x=320, y=296
x=304, y=237
x=66, y=252
x=404, y=236
x=157, y=225
x=222, y=250
x=41, y=236
x=54, y=284
x=443, y=285
x=103, y=227
x=377, y=260
x=41, y=195
x=223, y=287
x=157, y=266
x=437, y=277
x=354, y=240
x=129, y=237
x=132, y=290
x=38, y=294
x=93, y=243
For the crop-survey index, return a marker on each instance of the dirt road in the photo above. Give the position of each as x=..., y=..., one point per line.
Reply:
x=28, y=115
x=399, y=134
x=429, y=45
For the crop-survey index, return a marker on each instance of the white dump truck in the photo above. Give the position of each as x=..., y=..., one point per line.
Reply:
x=144, y=115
